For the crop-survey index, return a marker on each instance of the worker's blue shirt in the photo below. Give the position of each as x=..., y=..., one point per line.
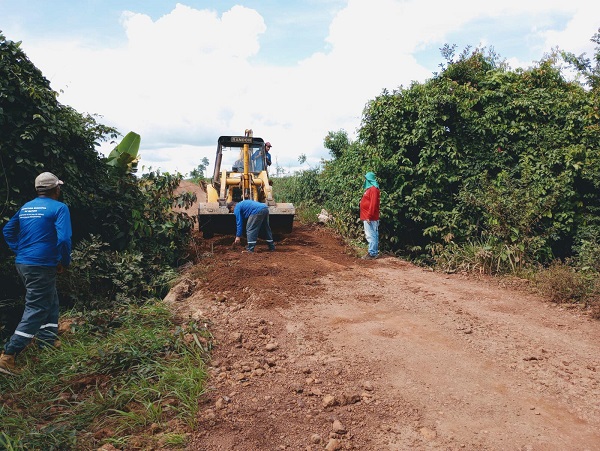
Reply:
x=40, y=233
x=243, y=210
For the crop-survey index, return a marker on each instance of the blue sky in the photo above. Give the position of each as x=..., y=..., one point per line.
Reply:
x=182, y=74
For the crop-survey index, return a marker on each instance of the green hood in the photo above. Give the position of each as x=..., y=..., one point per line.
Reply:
x=370, y=180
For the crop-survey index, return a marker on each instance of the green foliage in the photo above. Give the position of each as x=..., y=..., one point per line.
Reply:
x=516, y=212
x=125, y=155
x=303, y=187
x=133, y=216
x=307, y=213
x=500, y=168
x=336, y=142
x=477, y=154
x=100, y=277
x=155, y=236
x=589, y=69
x=197, y=175
x=304, y=190
x=158, y=231
x=587, y=248
x=483, y=256
x=119, y=370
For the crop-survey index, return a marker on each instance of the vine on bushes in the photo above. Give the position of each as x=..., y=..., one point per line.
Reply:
x=126, y=235
x=494, y=166
x=155, y=238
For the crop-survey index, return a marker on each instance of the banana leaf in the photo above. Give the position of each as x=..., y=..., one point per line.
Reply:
x=125, y=154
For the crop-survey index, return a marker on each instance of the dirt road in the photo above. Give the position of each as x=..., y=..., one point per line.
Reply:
x=316, y=349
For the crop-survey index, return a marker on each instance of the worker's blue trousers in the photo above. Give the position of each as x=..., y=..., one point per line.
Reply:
x=40, y=318
x=259, y=224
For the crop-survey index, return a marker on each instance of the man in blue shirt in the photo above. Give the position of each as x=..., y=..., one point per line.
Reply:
x=40, y=235
x=256, y=216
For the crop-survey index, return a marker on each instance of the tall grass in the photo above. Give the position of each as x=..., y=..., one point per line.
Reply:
x=484, y=256
x=116, y=373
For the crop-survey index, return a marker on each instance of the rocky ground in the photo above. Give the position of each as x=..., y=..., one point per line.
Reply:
x=317, y=349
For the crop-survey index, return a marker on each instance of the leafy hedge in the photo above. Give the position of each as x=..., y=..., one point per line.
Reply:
x=130, y=218
x=478, y=153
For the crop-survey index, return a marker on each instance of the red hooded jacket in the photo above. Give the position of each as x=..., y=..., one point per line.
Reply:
x=369, y=205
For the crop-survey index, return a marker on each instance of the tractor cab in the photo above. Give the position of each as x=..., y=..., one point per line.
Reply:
x=240, y=173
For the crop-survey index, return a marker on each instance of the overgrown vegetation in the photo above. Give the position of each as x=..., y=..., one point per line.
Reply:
x=561, y=282
x=127, y=367
x=482, y=168
x=304, y=191
x=127, y=237
x=122, y=376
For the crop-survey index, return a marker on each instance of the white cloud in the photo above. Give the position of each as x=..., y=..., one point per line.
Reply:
x=575, y=37
x=189, y=76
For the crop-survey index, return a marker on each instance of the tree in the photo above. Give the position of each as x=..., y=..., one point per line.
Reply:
x=582, y=64
x=129, y=214
x=198, y=173
x=336, y=142
x=476, y=127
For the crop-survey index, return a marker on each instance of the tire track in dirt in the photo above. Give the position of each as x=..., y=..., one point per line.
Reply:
x=311, y=337
x=479, y=377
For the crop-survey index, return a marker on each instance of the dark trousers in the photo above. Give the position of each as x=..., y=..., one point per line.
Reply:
x=258, y=224
x=40, y=317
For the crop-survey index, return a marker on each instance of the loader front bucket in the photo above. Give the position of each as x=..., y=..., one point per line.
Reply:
x=214, y=219
x=281, y=218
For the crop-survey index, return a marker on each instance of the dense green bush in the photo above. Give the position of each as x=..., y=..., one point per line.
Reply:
x=477, y=154
x=157, y=238
x=587, y=248
x=132, y=215
x=156, y=230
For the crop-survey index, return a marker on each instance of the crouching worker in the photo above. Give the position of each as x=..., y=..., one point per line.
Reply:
x=256, y=216
x=40, y=235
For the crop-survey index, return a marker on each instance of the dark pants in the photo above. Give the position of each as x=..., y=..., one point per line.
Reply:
x=40, y=317
x=259, y=224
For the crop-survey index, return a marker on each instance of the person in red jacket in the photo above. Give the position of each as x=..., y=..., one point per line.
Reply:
x=369, y=214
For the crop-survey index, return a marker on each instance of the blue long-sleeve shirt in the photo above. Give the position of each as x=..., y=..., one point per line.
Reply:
x=40, y=233
x=243, y=210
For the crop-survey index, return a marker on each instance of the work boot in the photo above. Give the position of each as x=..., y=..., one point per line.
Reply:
x=7, y=365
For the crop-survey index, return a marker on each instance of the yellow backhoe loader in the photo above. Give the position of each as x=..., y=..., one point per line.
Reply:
x=240, y=173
